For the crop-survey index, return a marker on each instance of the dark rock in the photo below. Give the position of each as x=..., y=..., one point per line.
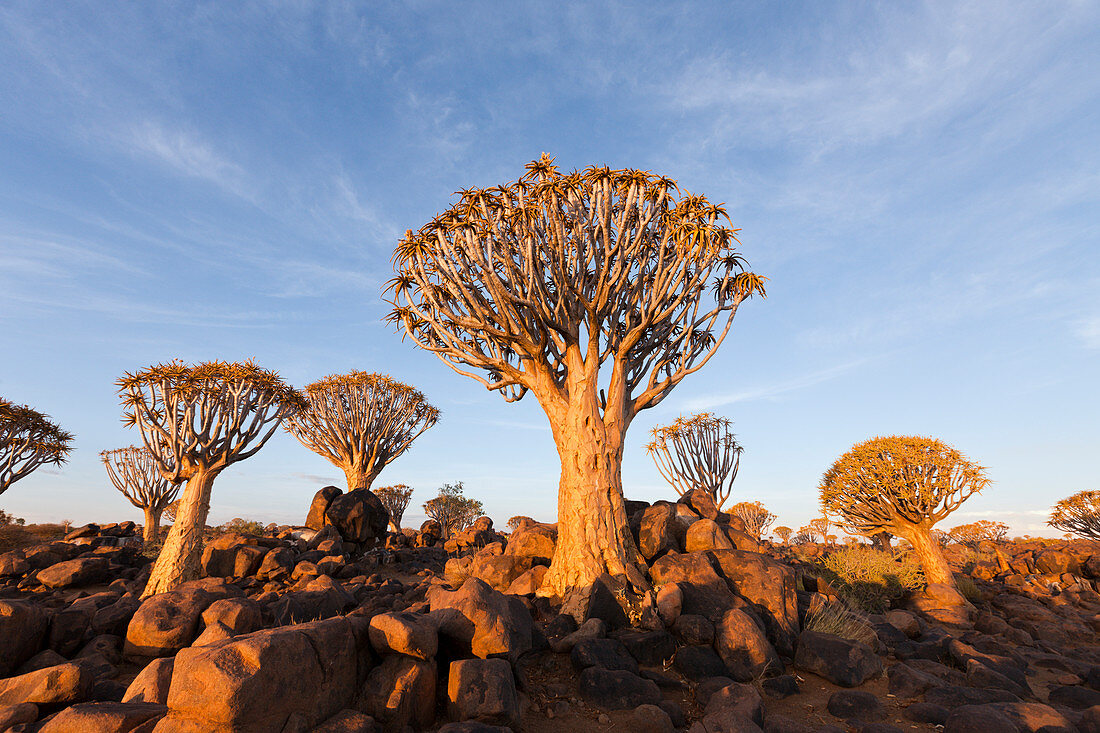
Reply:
x=743, y=648
x=487, y=622
x=979, y=719
x=772, y=589
x=348, y=721
x=315, y=519
x=855, y=704
x=926, y=712
x=103, y=716
x=359, y=516
x=841, y=661
x=656, y=531
x=692, y=628
x=1033, y=717
x=737, y=699
x=400, y=692
x=704, y=591
x=780, y=687
x=13, y=715
x=699, y=662
x=603, y=653
x=1074, y=697
x=649, y=648
x=953, y=696
x=78, y=573
x=483, y=690
x=701, y=502
x=617, y=689
x=22, y=630
x=906, y=682
x=651, y=719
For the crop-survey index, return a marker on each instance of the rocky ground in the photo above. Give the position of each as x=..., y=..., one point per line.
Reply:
x=325, y=628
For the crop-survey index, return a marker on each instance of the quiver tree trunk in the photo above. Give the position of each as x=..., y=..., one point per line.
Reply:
x=930, y=555
x=181, y=557
x=593, y=531
x=359, y=479
x=151, y=533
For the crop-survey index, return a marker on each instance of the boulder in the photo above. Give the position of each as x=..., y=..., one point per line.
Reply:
x=943, y=605
x=487, y=622
x=536, y=541
x=22, y=631
x=657, y=531
x=315, y=518
x=979, y=719
x=499, y=571
x=12, y=715
x=701, y=502
x=152, y=682
x=770, y=586
x=704, y=591
x=617, y=689
x=1033, y=717
x=483, y=690
x=112, y=717
x=168, y=622
x=855, y=705
x=706, y=534
x=264, y=679
x=1074, y=697
x=670, y=603
x=359, y=516
x=603, y=653
x=400, y=692
x=841, y=661
x=698, y=663
x=239, y=615
x=651, y=719
x=528, y=583
x=735, y=700
x=743, y=648
x=62, y=684
x=78, y=573
x=649, y=648
x=411, y=634
x=278, y=563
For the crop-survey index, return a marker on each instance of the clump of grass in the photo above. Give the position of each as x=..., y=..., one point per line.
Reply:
x=968, y=588
x=838, y=618
x=871, y=579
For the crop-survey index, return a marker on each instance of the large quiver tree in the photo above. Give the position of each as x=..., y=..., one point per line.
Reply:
x=360, y=422
x=697, y=452
x=134, y=472
x=196, y=421
x=1079, y=514
x=903, y=485
x=28, y=439
x=598, y=292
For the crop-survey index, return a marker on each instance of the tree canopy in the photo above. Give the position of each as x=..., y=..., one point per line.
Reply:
x=28, y=439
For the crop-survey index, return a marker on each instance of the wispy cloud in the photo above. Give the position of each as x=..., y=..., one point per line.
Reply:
x=772, y=391
x=1088, y=330
x=186, y=152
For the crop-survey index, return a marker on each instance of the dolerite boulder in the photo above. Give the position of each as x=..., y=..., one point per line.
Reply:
x=82, y=571
x=655, y=531
x=411, y=634
x=704, y=591
x=701, y=502
x=841, y=661
x=309, y=672
x=481, y=621
x=743, y=647
x=400, y=692
x=315, y=519
x=617, y=689
x=167, y=622
x=359, y=516
x=104, y=716
x=483, y=690
x=536, y=541
x=62, y=684
x=151, y=683
x=855, y=705
x=22, y=631
x=770, y=586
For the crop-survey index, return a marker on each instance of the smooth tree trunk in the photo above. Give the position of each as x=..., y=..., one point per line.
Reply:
x=593, y=533
x=930, y=555
x=358, y=478
x=151, y=533
x=181, y=557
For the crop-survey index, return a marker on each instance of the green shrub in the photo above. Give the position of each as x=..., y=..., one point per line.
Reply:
x=838, y=618
x=872, y=579
x=247, y=527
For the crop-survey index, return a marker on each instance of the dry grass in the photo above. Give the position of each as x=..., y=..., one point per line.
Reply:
x=837, y=618
x=872, y=579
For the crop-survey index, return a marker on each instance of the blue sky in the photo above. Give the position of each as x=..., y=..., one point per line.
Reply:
x=921, y=182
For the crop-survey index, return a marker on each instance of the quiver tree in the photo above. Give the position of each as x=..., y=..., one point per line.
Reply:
x=818, y=529
x=396, y=500
x=134, y=472
x=902, y=485
x=196, y=421
x=360, y=422
x=28, y=439
x=598, y=292
x=756, y=517
x=1079, y=514
x=783, y=533
x=974, y=533
x=697, y=452
x=452, y=510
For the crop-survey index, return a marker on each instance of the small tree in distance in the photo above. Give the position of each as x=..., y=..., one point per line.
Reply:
x=1079, y=514
x=697, y=452
x=452, y=510
x=597, y=291
x=134, y=472
x=756, y=517
x=783, y=533
x=196, y=421
x=361, y=422
x=396, y=499
x=28, y=439
x=976, y=532
x=817, y=529
x=902, y=485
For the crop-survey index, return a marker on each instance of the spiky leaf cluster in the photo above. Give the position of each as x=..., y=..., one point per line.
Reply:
x=698, y=451
x=205, y=416
x=28, y=439
x=897, y=482
x=618, y=264
x=361, y=419
x=135, y=472
x=975, y=532
x=1079, y=514
x=755, y=515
